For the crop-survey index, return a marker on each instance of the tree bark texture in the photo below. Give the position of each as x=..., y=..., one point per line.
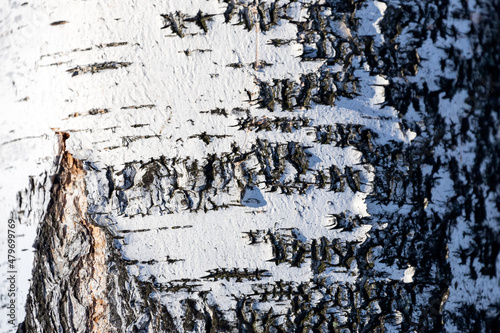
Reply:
x=344, y=181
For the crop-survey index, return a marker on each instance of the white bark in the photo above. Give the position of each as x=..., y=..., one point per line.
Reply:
x=297, y=197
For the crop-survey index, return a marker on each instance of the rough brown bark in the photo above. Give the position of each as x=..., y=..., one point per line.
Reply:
x=71, y=264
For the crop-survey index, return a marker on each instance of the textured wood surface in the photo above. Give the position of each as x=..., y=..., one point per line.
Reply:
x=336, y=174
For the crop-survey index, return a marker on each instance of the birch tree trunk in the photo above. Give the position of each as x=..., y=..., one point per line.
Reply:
x=253, y=166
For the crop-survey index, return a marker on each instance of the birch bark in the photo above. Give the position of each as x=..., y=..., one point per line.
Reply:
x=326, y=183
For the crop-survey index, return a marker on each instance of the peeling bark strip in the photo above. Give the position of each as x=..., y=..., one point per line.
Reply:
x=97, y=67
x=68, y=292
x=59, y=22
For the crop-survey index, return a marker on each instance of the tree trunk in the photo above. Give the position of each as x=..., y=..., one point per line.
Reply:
x=259, y=166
